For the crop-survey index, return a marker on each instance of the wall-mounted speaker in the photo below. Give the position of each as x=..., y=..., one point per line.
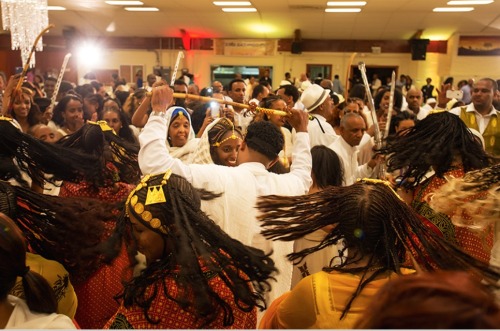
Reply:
x=418, y=49
x=296, y=47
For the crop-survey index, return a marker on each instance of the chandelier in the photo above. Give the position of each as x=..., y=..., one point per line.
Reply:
x=25, y=19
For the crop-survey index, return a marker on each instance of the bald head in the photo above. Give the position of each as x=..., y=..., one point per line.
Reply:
x=414, y=99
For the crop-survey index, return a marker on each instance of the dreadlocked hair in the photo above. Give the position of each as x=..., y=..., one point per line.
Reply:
x=473, y=201
x=71, y=231
x=201, y=250
x=38, y=158
x=106, y=147
x=434, y=142
x=265, y=138
x=373, y=222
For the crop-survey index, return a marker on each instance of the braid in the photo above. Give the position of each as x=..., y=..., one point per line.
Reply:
x=201, y=250
x=434, y=142
x=372, y=221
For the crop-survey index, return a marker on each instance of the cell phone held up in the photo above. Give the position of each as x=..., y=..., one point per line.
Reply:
x=457, y=94
x=215, y=109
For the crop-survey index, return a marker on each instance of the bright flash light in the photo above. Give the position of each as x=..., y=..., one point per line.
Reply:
x=89, y=55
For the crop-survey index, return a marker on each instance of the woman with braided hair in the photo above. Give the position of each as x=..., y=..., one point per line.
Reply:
x=196, y=275
x=441, y=143
x=219, y=144
x=39, y=309
x=379, y=232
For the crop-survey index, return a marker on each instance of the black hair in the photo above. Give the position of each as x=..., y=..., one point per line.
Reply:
x=60, y=108
x=266, y=138
x=93, y=98
x=34, y=114
x=84, y=90
x=106, y=147
x=199, y=246
x=291, y=90
x=402, y=116
x=38, y=293
x=71, y=231
x=327, y=167
x=257, y=90
x=397, y=102
x=180, y=82
x=373, y=222
x=216, y=134
x=434, y=142
x=125, y=131
x=237, y=80
x=39, y=158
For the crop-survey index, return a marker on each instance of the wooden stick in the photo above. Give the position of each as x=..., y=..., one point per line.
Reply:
x=348, y=74
x=226, y=102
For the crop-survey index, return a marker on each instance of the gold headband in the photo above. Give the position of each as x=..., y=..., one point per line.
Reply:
x=154, y=195
x=232, y=136
x=103, y=124
x=379, y=181
x=437, y=111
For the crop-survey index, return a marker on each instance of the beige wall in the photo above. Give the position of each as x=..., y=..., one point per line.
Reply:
x=437, y=66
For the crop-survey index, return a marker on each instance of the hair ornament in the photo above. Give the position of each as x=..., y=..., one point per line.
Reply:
x=378, y=181
x=437, y=111
x=155, y=194
x=103, y=124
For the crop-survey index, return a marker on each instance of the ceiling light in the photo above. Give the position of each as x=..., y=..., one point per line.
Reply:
x=342, y=10
x=232, y=3
x=468, y=2
x=452, y=9
x=239, y=10
x=346, y=3
x=125, y=3
x=55, y=8
x=141, y=9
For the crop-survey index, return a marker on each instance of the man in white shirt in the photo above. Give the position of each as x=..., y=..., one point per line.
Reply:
x=480, y=113
x=237, y=89
x=234, y=211
x=414, y=99
x=319, y=104
x=352, y=128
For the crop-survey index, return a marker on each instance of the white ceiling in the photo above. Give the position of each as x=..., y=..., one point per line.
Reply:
x=378, y=20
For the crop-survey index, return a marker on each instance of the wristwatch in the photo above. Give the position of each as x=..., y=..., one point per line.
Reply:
x=158, y=113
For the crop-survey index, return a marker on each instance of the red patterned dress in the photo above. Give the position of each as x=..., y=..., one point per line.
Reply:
x=96, y=303
x=476, y=245
x=171, y=316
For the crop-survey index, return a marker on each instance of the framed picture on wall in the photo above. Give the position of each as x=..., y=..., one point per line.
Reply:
x=479, y=46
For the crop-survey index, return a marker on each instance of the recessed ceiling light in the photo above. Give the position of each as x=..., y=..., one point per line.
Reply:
x=232, y=3
x=342, y=10
x=452, y=9
x=468, y=2
x=346, y=3
x=239, y=10
x=141, y=9
x=55, y=8
x=125, y=3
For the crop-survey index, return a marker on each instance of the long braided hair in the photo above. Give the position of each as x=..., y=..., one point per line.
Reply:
x=72, y=231
x=373, y=222
x=38, y=158
x=200, y=248
x=98, y=139
x=434, y=142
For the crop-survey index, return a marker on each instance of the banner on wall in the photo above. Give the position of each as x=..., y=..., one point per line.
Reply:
x=245, y=47
x=479, y=46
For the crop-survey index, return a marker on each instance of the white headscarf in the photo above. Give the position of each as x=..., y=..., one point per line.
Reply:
x=183, y=153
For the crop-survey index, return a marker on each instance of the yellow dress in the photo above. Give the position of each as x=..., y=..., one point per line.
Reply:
x=317, y=302
x=58, y=278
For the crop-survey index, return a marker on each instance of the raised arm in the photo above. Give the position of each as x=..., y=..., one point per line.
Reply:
x=154, y=157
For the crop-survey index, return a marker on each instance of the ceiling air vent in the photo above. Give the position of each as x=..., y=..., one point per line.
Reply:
x=306, y=7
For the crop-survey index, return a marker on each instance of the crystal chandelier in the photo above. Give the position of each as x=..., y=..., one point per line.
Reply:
x=25, y=19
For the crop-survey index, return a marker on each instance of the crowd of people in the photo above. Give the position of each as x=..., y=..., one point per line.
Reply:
x=290, y=207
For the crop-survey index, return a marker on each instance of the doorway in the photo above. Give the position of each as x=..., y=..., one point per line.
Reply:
x=384, y=73
x=319, y=71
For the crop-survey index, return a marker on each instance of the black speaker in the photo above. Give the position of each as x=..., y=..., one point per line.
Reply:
x=296, y=47
x=418, y=49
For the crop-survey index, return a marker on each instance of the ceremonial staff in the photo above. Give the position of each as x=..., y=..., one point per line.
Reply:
x=59, y=80
x=377, y=136
x=180, y=55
